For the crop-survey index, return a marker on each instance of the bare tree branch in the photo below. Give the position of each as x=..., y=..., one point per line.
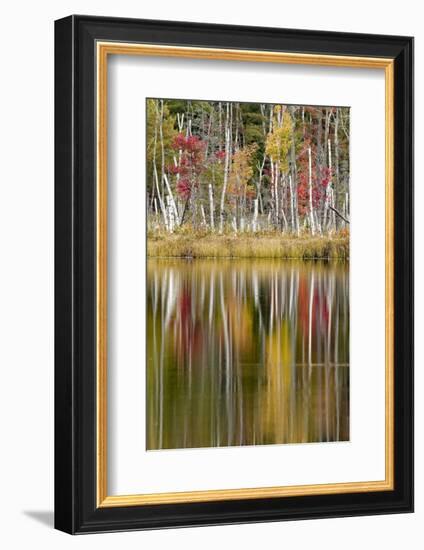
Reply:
x=338, y=213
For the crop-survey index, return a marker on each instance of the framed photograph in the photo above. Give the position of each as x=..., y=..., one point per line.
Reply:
x=234, y=274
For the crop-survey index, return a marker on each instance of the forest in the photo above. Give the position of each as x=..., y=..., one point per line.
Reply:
x=223, y=177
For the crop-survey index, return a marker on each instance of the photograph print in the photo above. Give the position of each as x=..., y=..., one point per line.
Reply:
x=247, y=298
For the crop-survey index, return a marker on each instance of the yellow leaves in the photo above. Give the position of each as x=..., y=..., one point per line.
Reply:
x=278, y=141
x=241, y=169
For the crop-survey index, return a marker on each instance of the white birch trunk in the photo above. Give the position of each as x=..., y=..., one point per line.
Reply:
x=292, y=215
x=330, y=165
x=211, y=208
x=277, y=205
x=333, y=214
x=255, y=215
x=311, y=203
x=202, y=210
x=226, y=169
x=170, y=209
x=327, y=191
x=155, y=177
x=171, y=199
x=161, y=203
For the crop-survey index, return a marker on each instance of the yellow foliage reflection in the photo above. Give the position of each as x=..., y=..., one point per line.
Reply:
x=243, y=352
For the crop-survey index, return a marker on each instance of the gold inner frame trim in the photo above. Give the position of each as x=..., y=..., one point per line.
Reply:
x=103, y=50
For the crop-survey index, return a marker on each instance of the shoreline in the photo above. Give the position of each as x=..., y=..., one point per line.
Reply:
x=268, y=246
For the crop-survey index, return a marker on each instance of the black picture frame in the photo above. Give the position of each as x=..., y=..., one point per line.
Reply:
x=76, y=510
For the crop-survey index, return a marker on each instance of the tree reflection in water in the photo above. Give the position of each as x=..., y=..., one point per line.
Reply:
x=246, y=352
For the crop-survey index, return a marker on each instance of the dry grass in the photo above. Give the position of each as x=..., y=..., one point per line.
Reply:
x=259, y=245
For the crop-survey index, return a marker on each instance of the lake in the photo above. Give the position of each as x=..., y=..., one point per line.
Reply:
x=246, y=352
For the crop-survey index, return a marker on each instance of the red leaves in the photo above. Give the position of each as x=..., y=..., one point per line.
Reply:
x=184, y=188
x=303, y=193
x=325, y=175
x=190, y=165
x=321, y=179
x=191, y=144
x=173, y=169
x=179, y=142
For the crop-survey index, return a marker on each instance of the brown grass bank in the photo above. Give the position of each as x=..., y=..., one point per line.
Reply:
x=259, y=245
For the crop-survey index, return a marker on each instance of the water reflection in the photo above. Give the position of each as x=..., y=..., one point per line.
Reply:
x=243, y=352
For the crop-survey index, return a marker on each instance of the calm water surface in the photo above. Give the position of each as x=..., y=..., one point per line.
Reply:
x=246, y=352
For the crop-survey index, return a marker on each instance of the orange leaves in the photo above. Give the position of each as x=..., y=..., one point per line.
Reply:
x=241, y=172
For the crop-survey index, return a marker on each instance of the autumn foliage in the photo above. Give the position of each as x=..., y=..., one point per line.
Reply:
x=247, y=167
